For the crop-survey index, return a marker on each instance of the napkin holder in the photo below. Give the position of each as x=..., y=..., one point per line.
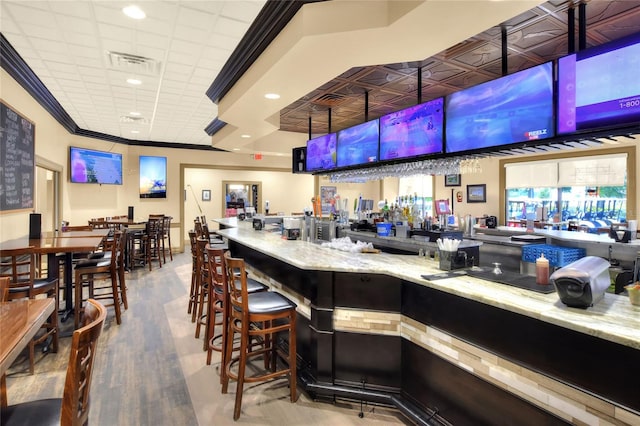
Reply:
x=450, y=260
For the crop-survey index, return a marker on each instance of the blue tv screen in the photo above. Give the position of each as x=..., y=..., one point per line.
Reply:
x=413, y=131
x=359, y=144
x=510, y=109
x=153, y=177
x=599, y=87
x=89, y=166
x=321, y=153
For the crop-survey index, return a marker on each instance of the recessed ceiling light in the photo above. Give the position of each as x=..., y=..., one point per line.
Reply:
x=236, y=149
x=272, y=96
x=134, y=81
x=135, y=113
x=134, y=12
x=135, y=131
x=245, y=136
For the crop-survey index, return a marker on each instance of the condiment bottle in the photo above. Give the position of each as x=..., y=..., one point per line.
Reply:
x=542, y=270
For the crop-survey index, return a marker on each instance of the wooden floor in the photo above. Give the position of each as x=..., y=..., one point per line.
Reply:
x=150, y=370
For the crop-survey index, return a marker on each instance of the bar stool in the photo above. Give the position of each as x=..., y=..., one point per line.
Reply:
x=87, y=271
x=193, y=292
x=152, y=241
x=166, y=236
x=202, y=287
x=273, y=313
x=218, y=305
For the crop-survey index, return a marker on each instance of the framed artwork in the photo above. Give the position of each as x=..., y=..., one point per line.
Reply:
x=452, y=180
x=206, y=195
x=477, y=193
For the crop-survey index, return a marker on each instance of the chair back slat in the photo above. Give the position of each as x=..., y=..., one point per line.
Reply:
x=237, y=283
x=217, y=269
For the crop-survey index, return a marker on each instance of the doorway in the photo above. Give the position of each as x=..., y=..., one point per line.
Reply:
x=246, y=195
x=47, y=189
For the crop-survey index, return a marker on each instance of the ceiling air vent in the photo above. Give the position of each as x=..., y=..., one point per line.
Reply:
x=331, y=99
x=133, y=63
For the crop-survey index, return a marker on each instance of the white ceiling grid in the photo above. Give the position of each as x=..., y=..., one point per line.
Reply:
x=66, y=44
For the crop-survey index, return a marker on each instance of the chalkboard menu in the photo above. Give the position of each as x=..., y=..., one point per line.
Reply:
x=17, y=158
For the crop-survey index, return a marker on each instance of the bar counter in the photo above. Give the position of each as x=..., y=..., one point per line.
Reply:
x=461, y=349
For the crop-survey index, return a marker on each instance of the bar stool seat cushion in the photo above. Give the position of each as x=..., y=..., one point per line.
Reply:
x=254, y=286
x=43, y=412
x=100, y=255
x=91, y=263
x=268, y=302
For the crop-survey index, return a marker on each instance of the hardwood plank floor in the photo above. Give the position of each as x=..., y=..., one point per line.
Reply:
x=150, y=370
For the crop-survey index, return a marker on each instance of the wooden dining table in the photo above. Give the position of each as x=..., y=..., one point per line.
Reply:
x=122, y=221
x=52, y=247
x=20, y=320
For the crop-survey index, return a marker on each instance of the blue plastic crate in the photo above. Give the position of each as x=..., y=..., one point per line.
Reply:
x=558, y=256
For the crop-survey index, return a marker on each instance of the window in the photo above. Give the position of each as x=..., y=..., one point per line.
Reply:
x=592, y=188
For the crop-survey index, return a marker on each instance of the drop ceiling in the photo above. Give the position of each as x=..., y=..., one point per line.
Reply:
x=84, y=51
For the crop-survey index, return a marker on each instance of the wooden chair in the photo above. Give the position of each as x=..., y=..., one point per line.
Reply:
x=166, y=236
x=20, y=267
x=152, y=241
x=121, y=263
x=202, y=287
x=193, y=292
x=90, y=270
x=160, y=219
x=73, y=408
x=275, y=313
x=218, y=303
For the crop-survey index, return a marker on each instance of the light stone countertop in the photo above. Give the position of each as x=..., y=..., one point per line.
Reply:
x=614, y=318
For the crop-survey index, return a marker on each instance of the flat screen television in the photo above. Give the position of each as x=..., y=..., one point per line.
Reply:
x=90, y=166
x=153, y=177
x=511, y=109
x=599, y=87
x=358, y=145
x=321, y=153
x=412, y=132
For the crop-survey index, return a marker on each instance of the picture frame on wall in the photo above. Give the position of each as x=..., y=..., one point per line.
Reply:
x=206, y=195
x=477, y=193
x=452, y=180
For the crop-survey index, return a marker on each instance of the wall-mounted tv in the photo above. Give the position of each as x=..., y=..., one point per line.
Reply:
x=599, y=87
x=514, y=108
x=358, y=145
x=153, y=177
x=89, y=166
x=412, y=131
x=321, y=153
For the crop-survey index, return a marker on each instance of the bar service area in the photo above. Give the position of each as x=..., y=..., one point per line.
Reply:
x=452, y=245
x=423, y=302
